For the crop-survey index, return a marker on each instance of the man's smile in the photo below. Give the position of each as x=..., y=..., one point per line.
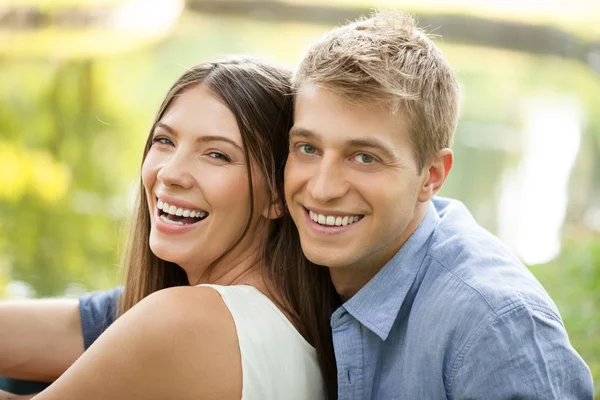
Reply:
x=333, y=218
x=330, y=223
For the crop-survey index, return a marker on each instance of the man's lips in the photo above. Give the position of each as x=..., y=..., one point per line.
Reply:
x=332, y=218
x=330, y=224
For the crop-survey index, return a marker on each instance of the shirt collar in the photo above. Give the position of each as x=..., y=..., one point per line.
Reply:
x=377, y=304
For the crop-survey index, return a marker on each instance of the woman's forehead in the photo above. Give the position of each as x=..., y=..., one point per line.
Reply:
x=198, y=111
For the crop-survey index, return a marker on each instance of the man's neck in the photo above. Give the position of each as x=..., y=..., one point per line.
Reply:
x=349, y=279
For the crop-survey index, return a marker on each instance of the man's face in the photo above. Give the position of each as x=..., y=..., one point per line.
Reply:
x=352, y=183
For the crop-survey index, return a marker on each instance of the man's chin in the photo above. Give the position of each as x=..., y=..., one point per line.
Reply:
x=327, y=256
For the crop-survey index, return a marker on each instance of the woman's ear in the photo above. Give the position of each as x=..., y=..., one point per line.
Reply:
x=274, y=211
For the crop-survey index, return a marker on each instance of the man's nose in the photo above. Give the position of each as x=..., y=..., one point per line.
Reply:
x=329, y=182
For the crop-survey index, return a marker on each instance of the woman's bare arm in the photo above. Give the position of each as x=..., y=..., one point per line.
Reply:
x=39, y=339
x=179, y=343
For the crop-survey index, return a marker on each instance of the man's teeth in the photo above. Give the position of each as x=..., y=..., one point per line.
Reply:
x=330, y=220
x=180, y=212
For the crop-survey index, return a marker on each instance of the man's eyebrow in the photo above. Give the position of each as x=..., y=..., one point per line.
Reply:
x=302, y=132
x=373, y=143
x=202, y=139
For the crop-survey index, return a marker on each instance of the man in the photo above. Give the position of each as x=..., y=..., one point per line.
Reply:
x=434, y=306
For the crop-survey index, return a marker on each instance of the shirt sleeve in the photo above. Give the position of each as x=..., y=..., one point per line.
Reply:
x=523, y=353
x=97, y=311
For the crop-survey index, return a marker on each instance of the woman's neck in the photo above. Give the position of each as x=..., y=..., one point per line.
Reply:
x=242, y=265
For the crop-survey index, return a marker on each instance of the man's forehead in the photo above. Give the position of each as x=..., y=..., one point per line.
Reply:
x=323, y=98
x=306, y=88
x=320, y=96
x=319, y=109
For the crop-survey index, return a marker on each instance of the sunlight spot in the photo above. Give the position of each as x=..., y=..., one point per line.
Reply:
x=533, y=200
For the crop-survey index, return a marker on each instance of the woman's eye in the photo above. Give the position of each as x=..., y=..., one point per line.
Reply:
x=363, y=158
x=161, y=140
x=307, y=149
x=219, y=156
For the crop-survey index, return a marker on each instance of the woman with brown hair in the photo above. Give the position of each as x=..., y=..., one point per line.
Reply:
x=211, y=213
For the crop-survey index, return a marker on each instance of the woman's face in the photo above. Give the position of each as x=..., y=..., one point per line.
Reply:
x=196, y=182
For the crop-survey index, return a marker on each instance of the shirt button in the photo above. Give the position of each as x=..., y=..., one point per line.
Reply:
x=340, y=318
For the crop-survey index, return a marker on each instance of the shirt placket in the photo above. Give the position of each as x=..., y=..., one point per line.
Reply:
x=348, y=347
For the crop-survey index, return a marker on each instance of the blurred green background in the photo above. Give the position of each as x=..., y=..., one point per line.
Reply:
x=80, y=82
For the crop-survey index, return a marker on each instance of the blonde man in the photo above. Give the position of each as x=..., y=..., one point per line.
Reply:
x=433, y=305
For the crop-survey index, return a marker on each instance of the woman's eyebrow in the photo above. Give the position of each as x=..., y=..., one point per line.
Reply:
x=166, y=127
x=205, y=138
x=217, y=138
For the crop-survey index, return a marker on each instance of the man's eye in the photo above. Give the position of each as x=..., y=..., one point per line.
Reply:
x=161, y=140
x=363, y=158
x=307, y=149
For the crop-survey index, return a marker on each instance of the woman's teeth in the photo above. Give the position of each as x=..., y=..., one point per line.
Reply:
x=330, y=220
x=179, y=212
x=170, y=221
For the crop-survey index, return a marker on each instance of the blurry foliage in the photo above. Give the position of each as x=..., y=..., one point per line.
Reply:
x=81, y=29
x=32, y=172
x=573, y=282
x=51, y=237
x=69, y=43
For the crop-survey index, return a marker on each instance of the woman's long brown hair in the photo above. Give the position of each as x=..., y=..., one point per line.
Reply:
x=259, y=95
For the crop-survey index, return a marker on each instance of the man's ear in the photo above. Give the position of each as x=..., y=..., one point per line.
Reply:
x=435, y=174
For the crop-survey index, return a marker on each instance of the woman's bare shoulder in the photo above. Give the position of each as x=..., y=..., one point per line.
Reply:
x=188, y=306
x=194, y=326
x=177, y=343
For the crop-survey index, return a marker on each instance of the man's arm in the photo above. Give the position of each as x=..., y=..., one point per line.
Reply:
x=9, y=396
x=40, y=339
x=524, y=353
x=97, y=311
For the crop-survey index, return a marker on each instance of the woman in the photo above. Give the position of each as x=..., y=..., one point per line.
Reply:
x=211, y=212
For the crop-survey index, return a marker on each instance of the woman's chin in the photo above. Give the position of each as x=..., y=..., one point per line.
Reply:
x=169, y=253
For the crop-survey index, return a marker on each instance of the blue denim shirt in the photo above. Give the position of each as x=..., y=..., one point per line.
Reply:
x=455, y=315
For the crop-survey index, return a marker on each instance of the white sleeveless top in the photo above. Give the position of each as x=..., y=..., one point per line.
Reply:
x=277, y=362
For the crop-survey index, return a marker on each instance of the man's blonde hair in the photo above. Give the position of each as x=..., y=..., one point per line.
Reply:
x=387, y=58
